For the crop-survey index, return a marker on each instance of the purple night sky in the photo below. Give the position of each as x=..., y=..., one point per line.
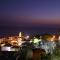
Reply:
x=29, y=15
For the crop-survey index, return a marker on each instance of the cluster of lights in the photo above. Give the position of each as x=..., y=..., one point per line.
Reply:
x=27, y=37
x=36, y=40
x=52, y=39
x=59, y=38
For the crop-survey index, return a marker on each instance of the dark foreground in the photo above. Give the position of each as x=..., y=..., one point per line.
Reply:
x=38, y=54
x=5, y=55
